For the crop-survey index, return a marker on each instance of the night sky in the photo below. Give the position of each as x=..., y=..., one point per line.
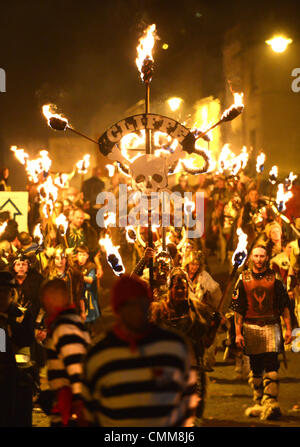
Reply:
x=81, y=56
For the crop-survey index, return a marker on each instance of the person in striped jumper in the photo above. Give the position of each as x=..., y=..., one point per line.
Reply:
x=138, y=375
x=66, y=345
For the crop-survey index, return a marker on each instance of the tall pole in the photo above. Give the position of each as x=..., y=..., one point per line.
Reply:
x=148, y=151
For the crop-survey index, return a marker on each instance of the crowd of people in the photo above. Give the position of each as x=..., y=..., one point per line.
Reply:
x=92, y=348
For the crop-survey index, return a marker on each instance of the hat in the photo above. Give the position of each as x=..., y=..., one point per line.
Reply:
x=25, y=238
x=128, y=287
x=7, y=280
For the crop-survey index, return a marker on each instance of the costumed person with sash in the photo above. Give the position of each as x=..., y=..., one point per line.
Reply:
x=259, y=300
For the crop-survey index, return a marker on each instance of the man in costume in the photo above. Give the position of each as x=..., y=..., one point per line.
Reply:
x=66, y=346
x=258, y=302
x=139, y=374
x=187, y=315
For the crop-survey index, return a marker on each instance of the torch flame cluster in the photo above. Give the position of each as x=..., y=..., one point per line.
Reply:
x=228, y=161
x=34, y=167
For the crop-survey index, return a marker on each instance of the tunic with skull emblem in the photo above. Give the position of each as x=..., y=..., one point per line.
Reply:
x=260, y=298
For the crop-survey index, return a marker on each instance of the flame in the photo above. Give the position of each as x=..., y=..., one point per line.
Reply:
x=48, y=195
x=112, y=251
x=235, y=109
x=289, y=181
x=240, y=254
x=223, y=160
x=111, y=170
x=37, y=233
x=189, y=206
x=20, y=154
x=110, y=219
x=62, y=222
x=129, y=229
x=145, y=47
x=49, y=112
x=3, y=227
x=61, y=180
x=273, y=174
x=282, y=197
x=238, y=99
x=83, y=165
x=33, y=167
x=260, y=161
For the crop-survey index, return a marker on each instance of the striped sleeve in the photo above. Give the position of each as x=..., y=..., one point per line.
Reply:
x=71, y=346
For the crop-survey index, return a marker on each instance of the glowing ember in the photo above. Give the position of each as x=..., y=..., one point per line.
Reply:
x=112, y=255
x=144, y=60
x=83, y=165
x=260, y=161
x=240, y=254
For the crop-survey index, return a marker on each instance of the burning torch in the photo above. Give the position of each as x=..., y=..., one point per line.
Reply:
x=58, y=122
x=238, y=259
x=112, y=255
x=229, y=114
x=144, y=62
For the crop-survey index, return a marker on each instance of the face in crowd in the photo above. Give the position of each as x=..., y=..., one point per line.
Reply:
x=194, y=267
x=82, y=257
x=179, y=288
x=78, y=219
x=21, y=268
x=259, y=258
x=275, y=234
x=60, y=261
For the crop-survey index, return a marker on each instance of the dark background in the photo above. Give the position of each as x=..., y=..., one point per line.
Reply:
x=81, y=56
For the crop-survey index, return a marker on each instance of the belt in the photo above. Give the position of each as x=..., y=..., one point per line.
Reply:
x=260, y=322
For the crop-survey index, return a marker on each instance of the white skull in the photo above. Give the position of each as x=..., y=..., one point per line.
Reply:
x=149, y=173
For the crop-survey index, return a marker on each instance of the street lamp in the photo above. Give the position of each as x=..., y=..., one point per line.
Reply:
x=174, y=103
x=279, y=43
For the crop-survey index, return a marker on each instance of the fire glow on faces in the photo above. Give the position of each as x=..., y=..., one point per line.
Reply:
x=21, y=268
x=259, y=258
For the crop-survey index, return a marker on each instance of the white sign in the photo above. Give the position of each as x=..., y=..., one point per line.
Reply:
x=16, y=203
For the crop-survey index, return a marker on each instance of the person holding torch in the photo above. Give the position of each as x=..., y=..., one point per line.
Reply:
x=258, y=301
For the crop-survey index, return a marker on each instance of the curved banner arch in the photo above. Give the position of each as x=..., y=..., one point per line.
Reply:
x=151, y=121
